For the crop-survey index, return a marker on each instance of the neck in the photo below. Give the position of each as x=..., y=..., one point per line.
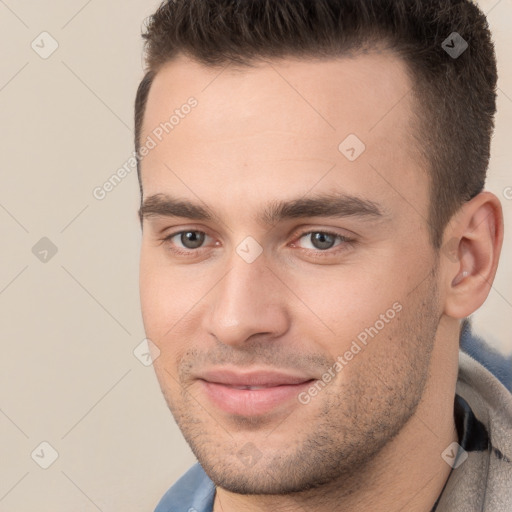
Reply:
x=407, y=474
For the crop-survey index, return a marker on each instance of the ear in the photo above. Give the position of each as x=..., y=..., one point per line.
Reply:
x=470, y=253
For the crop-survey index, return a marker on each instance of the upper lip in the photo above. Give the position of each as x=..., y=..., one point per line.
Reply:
x=266, y=378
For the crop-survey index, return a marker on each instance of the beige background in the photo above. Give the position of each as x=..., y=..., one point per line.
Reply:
x=69, y=326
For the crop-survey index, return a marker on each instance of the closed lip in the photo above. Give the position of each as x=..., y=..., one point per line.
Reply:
x=260, y=378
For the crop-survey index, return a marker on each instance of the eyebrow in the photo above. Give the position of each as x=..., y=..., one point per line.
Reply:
x=323, y=205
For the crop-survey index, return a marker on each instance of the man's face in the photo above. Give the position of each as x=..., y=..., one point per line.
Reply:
x=291, y=352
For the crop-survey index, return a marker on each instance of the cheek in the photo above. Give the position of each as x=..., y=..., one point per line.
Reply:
x=346, y=303
x=167, y=299
x=150, y=289
x=163, y=295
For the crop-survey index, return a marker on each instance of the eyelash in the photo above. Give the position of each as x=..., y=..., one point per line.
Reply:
x=318, y=253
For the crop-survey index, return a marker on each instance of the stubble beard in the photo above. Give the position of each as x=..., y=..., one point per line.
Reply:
x=338, y=444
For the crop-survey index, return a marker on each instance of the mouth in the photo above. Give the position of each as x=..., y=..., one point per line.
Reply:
x=247, y=387
x=252, y=393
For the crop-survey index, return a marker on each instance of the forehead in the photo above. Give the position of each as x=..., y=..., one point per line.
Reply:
x=282, y=119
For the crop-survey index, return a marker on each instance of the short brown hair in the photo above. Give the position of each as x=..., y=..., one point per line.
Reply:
x=455, y=97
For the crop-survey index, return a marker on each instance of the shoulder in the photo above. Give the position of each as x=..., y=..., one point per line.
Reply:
x=193, y=492
x=497, y=363
x=484, y=381
x=482, y=472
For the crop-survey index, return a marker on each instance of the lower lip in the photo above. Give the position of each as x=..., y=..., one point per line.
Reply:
x=252, y=402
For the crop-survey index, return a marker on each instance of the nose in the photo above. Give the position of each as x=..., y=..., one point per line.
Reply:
x=249, y=300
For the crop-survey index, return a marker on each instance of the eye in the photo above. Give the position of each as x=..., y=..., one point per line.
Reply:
x=186, y=242
x=323, y=241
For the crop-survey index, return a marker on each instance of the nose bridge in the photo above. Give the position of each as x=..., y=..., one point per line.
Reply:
x=246, y=301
